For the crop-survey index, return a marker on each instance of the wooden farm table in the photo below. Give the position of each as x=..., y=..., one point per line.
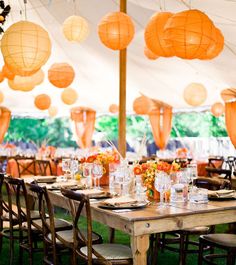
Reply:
x=139, y=224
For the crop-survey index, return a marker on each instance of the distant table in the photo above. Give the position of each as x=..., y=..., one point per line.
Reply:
x=139, y=224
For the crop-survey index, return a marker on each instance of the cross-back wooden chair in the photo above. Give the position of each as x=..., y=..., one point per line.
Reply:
x=25, y=166
x=216, y=161
x=219, y=173
x=3, y=164
x=28, y=236
x=92, y=253
x=53, y=248
x=44, y=167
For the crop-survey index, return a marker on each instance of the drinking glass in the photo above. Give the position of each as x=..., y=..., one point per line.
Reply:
x=87, y=174
x=112, y=175
x=74, y=166
x=97, y=172
x=66, y=167
x=162, y=184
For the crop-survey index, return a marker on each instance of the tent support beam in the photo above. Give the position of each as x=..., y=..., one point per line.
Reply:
x=122, y=93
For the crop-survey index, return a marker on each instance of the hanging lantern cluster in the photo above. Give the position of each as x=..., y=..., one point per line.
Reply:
x=189, y=34
x=75, y=28
x=195, y=94
x=116, y=30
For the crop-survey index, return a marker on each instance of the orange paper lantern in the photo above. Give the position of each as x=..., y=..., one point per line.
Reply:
x=42, y=102
x=217, y=109
x=20, y=85
x=154, y=32
x=195, y=94
x=69, y=96
x=52, y=111
x=114, y=108
x=228, y=94
x=116, y=30
x=26, y=47
x=143, y=105
x=7, y=72
x=1, y=97
x=189, y=33
x=149, y=54
x=61, y=75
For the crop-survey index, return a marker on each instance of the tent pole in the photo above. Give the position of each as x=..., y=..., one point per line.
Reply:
x=122, y=93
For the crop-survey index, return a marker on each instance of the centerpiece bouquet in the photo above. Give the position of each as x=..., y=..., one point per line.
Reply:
x=148, y=173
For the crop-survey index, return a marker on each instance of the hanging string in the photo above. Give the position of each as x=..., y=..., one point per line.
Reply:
x=190, y=4
x=160, y=4
x=25, y=3
x=75, y=7
x=164, y=5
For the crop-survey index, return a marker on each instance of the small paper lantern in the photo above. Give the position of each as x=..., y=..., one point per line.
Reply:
x=149, y=54
x=217, y=109
x=21, y=85
x=26, y=47
x=189, y=33
x=143, y=105
x=195, y=94
x=61, y=75
x=154, y=32
x=116, y=30
x=52, y=111
x=1, y=97
x=69, y=96
x=114, y=108
x=42, y=102
x=7, y=72
x=75, y=28
x=228, y=94
x=1, y=77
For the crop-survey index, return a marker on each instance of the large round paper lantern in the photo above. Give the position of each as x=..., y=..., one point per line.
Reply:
x=42, y=102
x=149, y=54
x=26, y=47
x=61, y=75
x=217, y=109
x=52, y=111
x=189, y=33
x=154, y=32
x=75, y=28
x=195, y=94
x=1, y=77
x=7, y=72
x=143, y=105
x=228, y=94
x=116, y=30
x=1, y=97
x=113, y=108
x=69, y=96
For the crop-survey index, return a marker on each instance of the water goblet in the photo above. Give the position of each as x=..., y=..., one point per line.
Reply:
x=74, y=166
x=97, y=172
x=162, y=184
x=66, y=167
x=87, y=174
x=112, y=175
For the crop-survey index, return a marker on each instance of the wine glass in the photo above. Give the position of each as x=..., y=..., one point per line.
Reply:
x=66, y=167
x=74, y=166
x=162, y=184
x=112, y=175
x=97, y=172
x=87, y=174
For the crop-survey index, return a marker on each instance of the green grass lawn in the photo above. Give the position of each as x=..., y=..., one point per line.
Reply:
x=166, y=257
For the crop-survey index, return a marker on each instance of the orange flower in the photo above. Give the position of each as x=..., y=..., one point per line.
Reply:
x=137, y=170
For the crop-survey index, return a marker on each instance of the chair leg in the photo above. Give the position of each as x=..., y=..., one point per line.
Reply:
x=181, y=249
x=163, y=240
x=200, y=253
x=231, y=258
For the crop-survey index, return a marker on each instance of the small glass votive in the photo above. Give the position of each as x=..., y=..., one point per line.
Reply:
x=198, y=195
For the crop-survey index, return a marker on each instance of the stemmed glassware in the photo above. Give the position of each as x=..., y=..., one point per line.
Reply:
x=66, y=167
x=87, y=174
x=97, y=172
x=162, y=184
x=74, y=166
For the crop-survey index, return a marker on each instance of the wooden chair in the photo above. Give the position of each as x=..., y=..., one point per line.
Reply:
x=25, y=166
x=216, y=161
x=44, y=167
x=3, y=164
x=92, y=253
x=212, y=183
x=53, y=248
x=7, y=215
x=28, y=236
x=226, y=242
x=219, y=173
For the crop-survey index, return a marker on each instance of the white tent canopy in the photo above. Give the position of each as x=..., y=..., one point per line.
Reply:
x=97, y=67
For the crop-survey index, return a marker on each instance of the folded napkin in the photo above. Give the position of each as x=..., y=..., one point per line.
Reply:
x=119, y=201
x=91, y=192
x=222, y=193
x=45, y=179
x=59, y=185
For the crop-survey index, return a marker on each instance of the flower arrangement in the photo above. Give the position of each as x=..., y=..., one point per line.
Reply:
x=106, y=157
x=148, y=172
x=182, y=152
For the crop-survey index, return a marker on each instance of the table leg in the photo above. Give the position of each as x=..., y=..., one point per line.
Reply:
x=139, y=245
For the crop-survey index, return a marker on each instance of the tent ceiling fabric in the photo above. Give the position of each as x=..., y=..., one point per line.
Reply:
x=97, y=67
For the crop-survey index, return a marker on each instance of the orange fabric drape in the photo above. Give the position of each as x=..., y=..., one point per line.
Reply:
x=5, y=117
x=230, y=120
x=84, y=119
x=161, y=120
